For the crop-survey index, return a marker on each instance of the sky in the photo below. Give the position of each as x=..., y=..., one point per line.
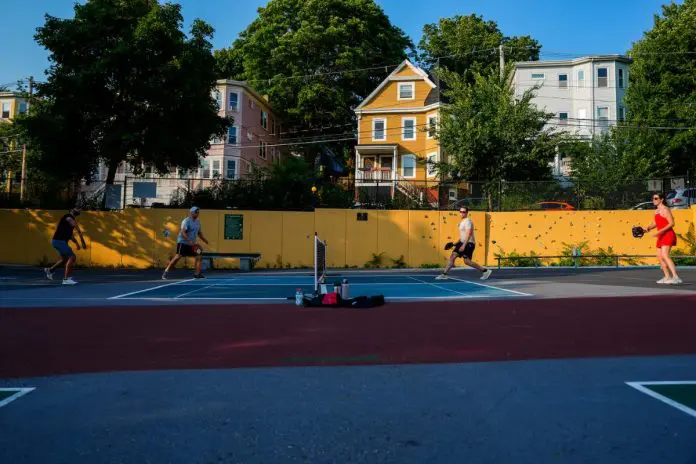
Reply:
x=578, y=28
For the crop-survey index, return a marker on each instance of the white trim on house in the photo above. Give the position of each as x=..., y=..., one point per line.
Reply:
x=393, y=76
x=384, y=129
x=403, y=129
x=401, y=85
x=422, y=109
x=403, y=158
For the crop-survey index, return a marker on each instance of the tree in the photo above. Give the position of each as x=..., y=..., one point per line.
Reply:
x=465, y=44
x=662, y=89
x=293, y=50
x=125, y=84
x=490, y=136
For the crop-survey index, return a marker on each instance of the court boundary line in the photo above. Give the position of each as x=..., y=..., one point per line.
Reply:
x=436, y=286
x=118, y=297
x=19, y=392
x=201, y=287
x=640, y=386
x=460, y=296
x=491, y=286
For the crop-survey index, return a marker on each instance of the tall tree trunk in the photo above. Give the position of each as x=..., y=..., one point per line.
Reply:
x=110, y=177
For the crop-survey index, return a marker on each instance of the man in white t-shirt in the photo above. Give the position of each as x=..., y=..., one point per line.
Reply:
x=186, y=242
x=465, y=247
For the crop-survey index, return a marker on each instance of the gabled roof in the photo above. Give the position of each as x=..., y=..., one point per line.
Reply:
x=392, y=77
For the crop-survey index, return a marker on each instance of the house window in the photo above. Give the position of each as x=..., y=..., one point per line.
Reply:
x=603, y=117
x=22, y=107
x=205, y=169
x=621, y=78
x=621, y=114
x=582, y=113
x=432, y=126
x=408, y=166
x=232, y=138
x=231, y=169
x=563, y=119
x=581, y=78
x=562, y=81
x=409, y=129
x=407, y=91
x=218, y=99
x=216, y=140
x=262, y=150
x=234, y=101
x=536, y=76
x=251, y=104
x=5, y=110
x=432, y=168
x=264, y=120
x=379, y=129
x=602, y=77
x=216, y=168
x=452, y=194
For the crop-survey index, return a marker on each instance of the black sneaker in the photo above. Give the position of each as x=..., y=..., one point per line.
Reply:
x=198, y=276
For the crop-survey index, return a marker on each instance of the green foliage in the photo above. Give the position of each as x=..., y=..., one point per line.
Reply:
x=689, y=240
x=519, y=259
x=376, y=261
x=662, y=90
x=399, y=262
x=292, y=39
x=458, y=38
x=125, y=84
x=489, y=135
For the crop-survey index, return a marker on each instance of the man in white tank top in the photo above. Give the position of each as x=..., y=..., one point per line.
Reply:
x=465, y=247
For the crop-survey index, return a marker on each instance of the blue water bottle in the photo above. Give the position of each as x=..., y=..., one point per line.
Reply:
x=299, y=297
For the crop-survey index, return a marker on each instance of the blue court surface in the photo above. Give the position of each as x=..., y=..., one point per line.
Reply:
x=282, y=286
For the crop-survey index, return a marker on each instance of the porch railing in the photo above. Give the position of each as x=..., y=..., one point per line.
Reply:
x=374, y=174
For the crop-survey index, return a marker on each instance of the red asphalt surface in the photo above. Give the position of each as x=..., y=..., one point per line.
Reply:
x=50, y=341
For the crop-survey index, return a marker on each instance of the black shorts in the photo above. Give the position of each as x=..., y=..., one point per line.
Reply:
x=183, y=249
x=466, y=251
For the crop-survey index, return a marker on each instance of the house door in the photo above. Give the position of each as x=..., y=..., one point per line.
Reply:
x=386, y=163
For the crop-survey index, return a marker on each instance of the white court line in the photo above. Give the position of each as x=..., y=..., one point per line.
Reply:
x=437, y=286
x=148, y=289
x=490, y=286
x=202, y=287
x=685, y=409
x=20, y=393
x=199, y=298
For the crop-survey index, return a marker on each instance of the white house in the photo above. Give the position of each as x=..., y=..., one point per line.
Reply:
x=585, y=95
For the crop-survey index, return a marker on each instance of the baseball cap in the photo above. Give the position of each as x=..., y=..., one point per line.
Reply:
x=194, y=209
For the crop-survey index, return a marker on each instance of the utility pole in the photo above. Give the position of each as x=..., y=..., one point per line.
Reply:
x=24, y=172
x=31, y=90
x=501, y=51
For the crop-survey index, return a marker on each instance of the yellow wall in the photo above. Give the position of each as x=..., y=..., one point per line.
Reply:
x=387, y=97
x=136, y=238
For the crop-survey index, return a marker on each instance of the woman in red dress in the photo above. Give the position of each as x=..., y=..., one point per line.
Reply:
x=666, y=239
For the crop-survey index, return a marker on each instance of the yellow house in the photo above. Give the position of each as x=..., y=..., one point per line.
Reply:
x=395, y=149
x=11, y=105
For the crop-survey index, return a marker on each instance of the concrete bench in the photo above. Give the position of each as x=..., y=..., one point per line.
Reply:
x=246, y=260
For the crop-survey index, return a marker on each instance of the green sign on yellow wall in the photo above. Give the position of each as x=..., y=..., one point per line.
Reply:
x=234, y=227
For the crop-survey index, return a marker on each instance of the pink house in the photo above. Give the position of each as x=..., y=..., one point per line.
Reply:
x=250, y=140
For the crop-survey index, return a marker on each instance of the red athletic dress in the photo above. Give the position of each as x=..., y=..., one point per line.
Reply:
x=669, y=238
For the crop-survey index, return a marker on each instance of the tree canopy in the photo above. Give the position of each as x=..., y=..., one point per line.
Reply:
x=488, y=135
x=662, y=88
x=125, y=84
x=292, y=51
x=467, y=43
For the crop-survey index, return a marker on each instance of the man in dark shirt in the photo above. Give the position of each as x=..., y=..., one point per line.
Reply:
x=63, y=234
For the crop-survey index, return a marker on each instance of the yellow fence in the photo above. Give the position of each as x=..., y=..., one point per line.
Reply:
x=147, y=237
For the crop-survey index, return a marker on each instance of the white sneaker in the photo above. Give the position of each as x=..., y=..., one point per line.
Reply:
x=486, y=274
x=164, y=276
x=442, y=277
x=69, y=281
x=49, y=274
x=675, y=281
x=663, y=281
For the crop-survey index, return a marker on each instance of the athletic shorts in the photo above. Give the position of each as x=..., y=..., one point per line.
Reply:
x=183, y=249
x=466, y=251
x=62, y=247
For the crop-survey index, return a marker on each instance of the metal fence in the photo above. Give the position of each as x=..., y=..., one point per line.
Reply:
x=364, y=192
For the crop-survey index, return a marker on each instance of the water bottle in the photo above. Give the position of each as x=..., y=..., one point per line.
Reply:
x=299, y=297
x=344, y=289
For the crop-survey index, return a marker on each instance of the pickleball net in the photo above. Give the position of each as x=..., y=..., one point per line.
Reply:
x=319, y=262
